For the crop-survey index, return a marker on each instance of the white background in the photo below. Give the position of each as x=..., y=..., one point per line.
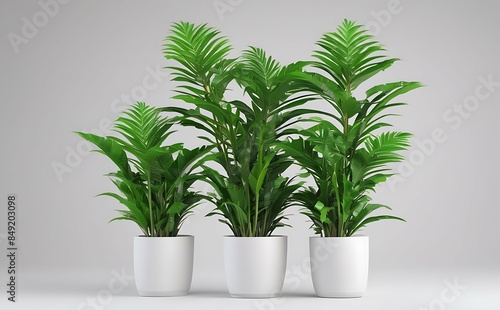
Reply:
x=74, y=69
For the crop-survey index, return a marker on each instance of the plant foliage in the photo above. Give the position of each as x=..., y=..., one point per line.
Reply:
x=154, y=180
x=344, y=154
x=251, y=193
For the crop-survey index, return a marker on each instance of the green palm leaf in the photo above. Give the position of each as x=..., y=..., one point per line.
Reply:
x=199, y=50
x=158, y=193
x=344, y=153
x=350, y=56
x=244, y=134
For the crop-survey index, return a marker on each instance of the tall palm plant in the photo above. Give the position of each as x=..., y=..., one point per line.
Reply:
x=154, y=180
x=251, y=191
x=345, y=155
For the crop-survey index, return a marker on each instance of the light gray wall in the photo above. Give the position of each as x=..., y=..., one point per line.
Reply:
x=76, y=68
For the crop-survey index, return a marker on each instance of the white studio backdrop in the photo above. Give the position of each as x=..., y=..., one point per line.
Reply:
x=74, y=65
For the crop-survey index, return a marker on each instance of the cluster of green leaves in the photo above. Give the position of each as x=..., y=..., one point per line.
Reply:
x=154, y=180
x=251, y=193
x=344, y=154
x=347, y=153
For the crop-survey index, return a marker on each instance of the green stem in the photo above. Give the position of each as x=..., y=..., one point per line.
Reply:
x=232, y=137
x=249, y=205
x=339, y=210
x=345, y=165
x=256, y=214
x=150, y=204
x=264, y=225
x=257, y=194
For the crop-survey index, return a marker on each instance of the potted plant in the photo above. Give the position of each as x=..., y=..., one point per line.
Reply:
x=251, y=192
x=346, y=156
x=155, y=185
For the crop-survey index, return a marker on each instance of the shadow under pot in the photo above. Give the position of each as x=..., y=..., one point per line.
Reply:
x=163, y=266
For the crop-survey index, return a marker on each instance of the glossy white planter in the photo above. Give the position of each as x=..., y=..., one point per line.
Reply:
x=255, y=266
x=339, y=265
x=163, y=266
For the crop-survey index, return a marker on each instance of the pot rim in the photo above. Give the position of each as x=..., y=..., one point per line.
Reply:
x=340, y=238
x=260, y=237
x=178, y=236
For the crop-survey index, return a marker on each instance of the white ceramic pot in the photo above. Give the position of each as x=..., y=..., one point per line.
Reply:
x=163, y=266
x=339, y=265
x=255, y=266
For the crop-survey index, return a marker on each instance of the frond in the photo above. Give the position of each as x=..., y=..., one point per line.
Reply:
x=255, y=66
x=142, y=127
x=199, y=49
x=379, y=151
x=350, y=55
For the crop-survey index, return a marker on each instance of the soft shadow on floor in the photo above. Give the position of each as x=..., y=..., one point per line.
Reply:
x=299, y=295
x=191, y=294
x=209, y=293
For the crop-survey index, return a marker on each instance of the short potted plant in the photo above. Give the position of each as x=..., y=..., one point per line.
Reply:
x=251, y=192
x=347, y=156
x=155, y=184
